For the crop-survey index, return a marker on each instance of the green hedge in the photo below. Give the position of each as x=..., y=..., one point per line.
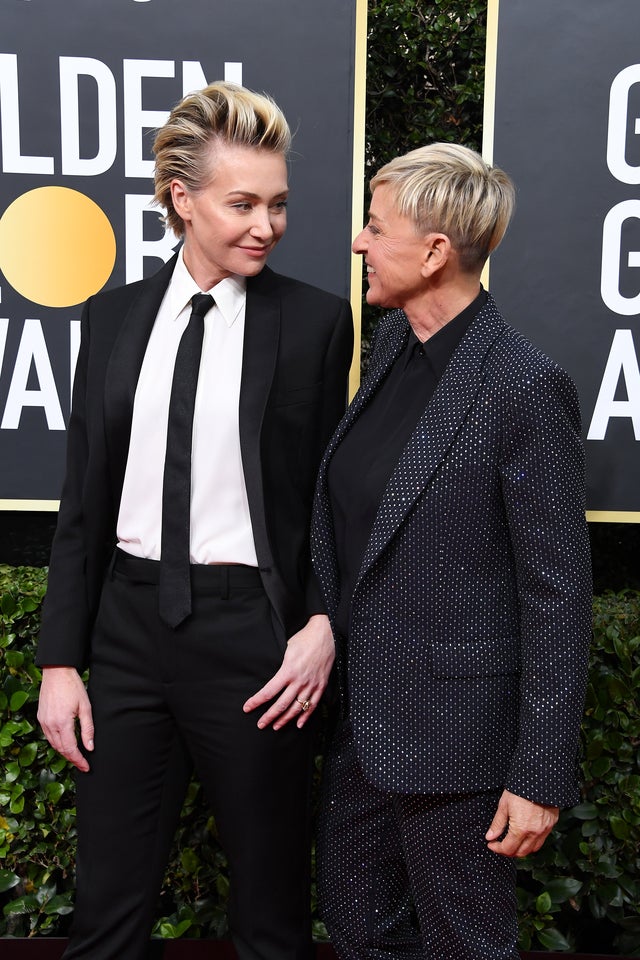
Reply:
x=425, y=83
x=585, y=883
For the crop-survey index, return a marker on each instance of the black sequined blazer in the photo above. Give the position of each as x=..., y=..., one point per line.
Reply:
x=465, y=666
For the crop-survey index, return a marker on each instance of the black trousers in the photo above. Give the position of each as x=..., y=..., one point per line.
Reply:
x=165, y=701
x=410, y=876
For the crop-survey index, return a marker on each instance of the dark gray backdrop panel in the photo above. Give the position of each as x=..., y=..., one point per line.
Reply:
x=556, y=62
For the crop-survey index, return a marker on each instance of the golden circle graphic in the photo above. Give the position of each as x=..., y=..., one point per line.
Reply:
x=57, y=246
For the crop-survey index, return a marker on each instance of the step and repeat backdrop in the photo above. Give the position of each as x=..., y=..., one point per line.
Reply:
x=83, y=85
x=562, y=117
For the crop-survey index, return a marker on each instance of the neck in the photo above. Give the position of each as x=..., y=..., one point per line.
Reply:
x=440, y=304
x=200, y=270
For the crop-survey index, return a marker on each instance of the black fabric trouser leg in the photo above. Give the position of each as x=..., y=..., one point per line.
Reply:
x=162, y=701
x=410, y=876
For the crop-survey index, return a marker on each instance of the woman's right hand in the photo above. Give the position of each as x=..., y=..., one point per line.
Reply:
x=63, y=699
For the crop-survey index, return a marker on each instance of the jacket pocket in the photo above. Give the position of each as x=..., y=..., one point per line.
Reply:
x=481, y=657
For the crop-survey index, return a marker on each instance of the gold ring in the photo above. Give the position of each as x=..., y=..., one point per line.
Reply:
x=305, y=704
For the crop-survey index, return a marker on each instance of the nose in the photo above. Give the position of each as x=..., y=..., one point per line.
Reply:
x=359, y=244
x=261, y=226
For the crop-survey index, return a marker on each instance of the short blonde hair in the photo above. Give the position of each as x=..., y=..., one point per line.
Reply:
x=223, y=112
x=447, y=188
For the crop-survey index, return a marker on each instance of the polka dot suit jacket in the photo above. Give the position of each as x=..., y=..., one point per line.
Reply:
x=465, y=665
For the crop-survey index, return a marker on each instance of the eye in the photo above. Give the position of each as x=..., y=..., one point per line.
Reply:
x=241, y=205
x=371, y=227
x=280, y=205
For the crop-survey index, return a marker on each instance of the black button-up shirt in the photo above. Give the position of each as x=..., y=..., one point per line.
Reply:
x=363, y=462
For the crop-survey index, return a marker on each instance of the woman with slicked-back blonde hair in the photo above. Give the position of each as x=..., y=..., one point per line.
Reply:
x=180, y=572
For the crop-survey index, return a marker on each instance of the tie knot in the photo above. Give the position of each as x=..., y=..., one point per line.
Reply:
x=200, y=303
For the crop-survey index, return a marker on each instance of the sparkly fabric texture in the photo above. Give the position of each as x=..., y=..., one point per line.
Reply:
x=465, y=668
x=410, y=876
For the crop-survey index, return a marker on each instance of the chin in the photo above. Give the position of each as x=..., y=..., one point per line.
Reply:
x=252, y=269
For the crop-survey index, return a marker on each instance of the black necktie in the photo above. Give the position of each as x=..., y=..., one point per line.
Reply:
x=175, y=572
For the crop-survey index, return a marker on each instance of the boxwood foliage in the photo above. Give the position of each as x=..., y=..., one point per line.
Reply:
x=582, y=890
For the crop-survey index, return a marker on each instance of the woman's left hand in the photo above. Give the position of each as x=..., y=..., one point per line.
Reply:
x=302, y=678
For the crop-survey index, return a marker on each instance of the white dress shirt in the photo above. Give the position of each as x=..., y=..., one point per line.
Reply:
x=220, y=523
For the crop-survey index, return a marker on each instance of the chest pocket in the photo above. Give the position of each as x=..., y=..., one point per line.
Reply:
x=306, y=394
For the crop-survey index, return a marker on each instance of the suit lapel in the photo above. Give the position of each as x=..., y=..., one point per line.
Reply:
x=436, y=430
x=394, y=333
x=123, y=371
x=259, y=356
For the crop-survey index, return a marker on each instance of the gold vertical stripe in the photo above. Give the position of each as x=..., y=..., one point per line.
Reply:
x=489, y=112
x=357, y=198
x=490, y=70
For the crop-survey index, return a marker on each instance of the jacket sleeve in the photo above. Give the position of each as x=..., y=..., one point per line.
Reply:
x=66, y=618
x=543, y=484
x=335, y=395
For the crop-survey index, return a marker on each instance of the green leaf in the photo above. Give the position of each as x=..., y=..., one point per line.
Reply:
x=600, y=766
x=8, y=880
x=23, y=905
x=18, y=700
x=585, y=811
x=190, y=860
x=28, y=754
x=590, y=828
x=58, y=764
x=562, y=889
x=60, y=905
x=171, y=931
x=12, y=771
x=552, y=939
x=543, y=903
x=54, y=791
x=14, y=659
x=620, y=828
x=7, y=605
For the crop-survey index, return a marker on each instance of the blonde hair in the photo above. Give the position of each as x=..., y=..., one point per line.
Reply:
x=447, y=188
x=223, y=112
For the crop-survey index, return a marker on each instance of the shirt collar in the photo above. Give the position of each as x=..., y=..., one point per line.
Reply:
x=230, y=294
x=440, y=347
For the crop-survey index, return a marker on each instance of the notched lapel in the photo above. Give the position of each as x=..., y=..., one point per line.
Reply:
x=123, y=371
x=259, y=356
x=436, y=430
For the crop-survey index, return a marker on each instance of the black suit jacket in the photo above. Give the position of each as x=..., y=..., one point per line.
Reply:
x=465, y=665
x=297, y=350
